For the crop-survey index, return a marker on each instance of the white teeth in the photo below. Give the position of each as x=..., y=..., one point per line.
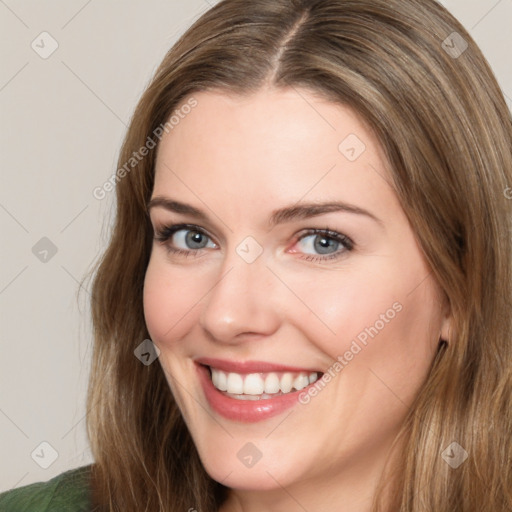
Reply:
x=254, y=386
x=222, y=381
x=235, y=384
x=246, y=397
x=301, y=382
x=215, y=378
x=272, y=383
x=286, y=383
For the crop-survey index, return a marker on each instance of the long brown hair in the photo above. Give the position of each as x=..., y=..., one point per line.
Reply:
x=419, y=81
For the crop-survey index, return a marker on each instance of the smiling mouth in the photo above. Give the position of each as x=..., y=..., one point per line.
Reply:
x=260, y=386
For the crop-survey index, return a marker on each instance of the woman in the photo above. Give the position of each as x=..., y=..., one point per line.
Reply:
x=305, y=303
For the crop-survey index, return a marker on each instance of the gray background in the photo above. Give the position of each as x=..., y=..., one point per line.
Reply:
x=64, y=118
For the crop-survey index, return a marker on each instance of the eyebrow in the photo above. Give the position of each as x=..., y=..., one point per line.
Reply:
x=291, y=213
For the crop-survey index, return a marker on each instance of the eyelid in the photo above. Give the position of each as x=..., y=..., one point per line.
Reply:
x=160, y=230
x=163, y=232
x=174, y=228
x=347, y=244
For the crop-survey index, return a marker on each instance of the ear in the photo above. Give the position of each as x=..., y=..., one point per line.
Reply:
x=447, y=324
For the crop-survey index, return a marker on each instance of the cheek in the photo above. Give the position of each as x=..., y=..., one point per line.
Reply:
x=375, y=319
x=339, y=306
x=169, y=298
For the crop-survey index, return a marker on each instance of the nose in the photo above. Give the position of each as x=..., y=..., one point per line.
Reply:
x=242, y=304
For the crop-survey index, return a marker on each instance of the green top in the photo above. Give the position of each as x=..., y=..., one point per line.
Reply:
x=67, y=492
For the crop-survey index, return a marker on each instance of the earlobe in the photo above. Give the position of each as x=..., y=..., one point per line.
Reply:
x=446, y=332
x=446, y=325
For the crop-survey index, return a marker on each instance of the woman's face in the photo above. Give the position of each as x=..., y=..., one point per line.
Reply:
x=256, y=292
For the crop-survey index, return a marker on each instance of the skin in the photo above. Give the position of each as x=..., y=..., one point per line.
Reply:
x=238, y=159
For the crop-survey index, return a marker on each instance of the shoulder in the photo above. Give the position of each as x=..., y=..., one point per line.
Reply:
x=67, y=492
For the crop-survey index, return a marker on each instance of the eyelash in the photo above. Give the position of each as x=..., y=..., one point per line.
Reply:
x=164, y=233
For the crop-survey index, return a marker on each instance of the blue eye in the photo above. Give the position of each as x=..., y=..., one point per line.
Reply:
x=323, y=244
x=316, y=245
x=183, y=238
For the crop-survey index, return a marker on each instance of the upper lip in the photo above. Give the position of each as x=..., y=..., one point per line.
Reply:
x=249, y=366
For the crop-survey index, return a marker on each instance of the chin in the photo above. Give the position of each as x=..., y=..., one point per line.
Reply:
x=248, y=479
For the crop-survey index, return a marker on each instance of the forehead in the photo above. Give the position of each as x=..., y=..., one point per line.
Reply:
x=277, y=144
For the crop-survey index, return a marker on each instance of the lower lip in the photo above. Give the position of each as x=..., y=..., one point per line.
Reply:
x=246, y=411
